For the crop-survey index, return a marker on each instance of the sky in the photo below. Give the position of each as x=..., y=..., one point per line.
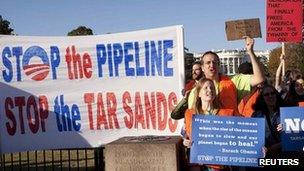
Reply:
x=203, y=20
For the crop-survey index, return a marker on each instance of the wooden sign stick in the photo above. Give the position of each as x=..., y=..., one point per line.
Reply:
x=283, y=67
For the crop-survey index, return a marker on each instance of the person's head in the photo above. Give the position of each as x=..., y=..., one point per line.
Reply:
x=296, y=84
x=292, y=75
x=245, y=68
x=269, y=95
x=206, y=90
x=299, y=86
x=205, y=93
x=197, y=72
x=269, y=98
x=210, y=62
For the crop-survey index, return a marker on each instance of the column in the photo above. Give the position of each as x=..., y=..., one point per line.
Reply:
x=228, y=70
x=233, y=68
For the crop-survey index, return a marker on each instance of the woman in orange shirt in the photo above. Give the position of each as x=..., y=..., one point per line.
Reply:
x=206, y=103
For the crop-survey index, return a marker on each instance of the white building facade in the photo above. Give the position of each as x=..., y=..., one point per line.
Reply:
x=230, y=60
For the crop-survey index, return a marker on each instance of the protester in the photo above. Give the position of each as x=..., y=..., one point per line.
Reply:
x=245, y=106
x=179, y=110
x=197, y=74
x=291, y=87
x=225, y=91
x=245, y=68
x=206, y=103
x=282, y=80
x=268, y=106
x=295, y=94
x=230, y=90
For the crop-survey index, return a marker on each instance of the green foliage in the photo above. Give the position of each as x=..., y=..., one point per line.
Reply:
x=294, y=59
x=4, y=27
x=188, y=61
x=81, y=31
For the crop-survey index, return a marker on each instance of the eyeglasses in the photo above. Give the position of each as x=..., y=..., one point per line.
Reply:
x=268, y=94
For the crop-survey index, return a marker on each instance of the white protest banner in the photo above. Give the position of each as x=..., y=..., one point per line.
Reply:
x=87, y=91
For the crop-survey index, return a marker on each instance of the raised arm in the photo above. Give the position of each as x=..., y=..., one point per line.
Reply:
x=278, y=73
x=258, y=72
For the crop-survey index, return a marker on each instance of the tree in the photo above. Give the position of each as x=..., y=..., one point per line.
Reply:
x=263, y=59
x=294, y=53
x=4, y=27
x=80, y=31
x=188, y=61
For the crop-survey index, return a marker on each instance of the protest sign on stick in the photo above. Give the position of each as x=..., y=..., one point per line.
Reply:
x=284, y=21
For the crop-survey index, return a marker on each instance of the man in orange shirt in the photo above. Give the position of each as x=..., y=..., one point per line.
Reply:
x=230, y=91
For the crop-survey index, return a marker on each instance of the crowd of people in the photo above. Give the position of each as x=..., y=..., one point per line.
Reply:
x=246, y=94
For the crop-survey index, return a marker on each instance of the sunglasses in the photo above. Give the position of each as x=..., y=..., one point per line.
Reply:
x=268, y=94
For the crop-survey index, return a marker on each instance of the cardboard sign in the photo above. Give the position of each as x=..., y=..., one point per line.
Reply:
x=292, y=135
x=284, y=21
x=235, y=30
x=232, y=141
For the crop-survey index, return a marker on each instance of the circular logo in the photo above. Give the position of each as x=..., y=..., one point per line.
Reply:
x=36, y=63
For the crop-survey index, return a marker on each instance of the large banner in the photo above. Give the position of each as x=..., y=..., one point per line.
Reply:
x=284, y=21
x=292, y=136
x=233, y=141
x=86, y=91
